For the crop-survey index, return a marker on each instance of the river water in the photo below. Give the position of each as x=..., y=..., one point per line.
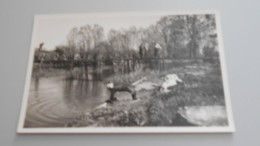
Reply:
x=55, y=100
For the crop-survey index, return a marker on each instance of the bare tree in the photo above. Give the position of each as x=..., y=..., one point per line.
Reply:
x=97, y=34
x=73, y=38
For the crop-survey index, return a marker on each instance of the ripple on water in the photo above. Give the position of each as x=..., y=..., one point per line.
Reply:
x=47, y=105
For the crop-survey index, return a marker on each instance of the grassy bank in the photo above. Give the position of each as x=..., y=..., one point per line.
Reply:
x=202, y=85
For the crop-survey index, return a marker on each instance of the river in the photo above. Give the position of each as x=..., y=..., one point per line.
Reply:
x=55, y=100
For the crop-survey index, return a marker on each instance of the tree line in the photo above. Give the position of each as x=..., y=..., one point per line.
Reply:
x=181, y=36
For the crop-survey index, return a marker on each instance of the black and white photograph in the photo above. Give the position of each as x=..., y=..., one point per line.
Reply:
x=131, y=72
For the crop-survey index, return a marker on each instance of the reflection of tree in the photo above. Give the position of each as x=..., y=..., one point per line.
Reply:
x=95, y=90
x=36, y=86
x=97, y=73
x=79, y=73
x=67, y=93
x=74, y=94
x=82, y=94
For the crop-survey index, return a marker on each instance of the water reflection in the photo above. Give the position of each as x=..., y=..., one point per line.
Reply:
x=84, y=95
x=55, y=100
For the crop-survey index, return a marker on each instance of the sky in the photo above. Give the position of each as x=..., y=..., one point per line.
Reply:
x=53, y=29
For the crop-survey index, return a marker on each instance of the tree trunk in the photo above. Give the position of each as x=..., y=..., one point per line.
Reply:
x=192, y=47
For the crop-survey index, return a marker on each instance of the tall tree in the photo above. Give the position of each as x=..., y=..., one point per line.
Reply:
x=191, y=31
x=198, y=28
x=97, y=34
x=73, y=39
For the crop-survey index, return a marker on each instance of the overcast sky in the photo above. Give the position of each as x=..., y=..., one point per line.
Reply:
x=53, y=29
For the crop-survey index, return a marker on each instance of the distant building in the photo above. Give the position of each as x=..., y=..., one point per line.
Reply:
x=157, y=50
x=77, y=56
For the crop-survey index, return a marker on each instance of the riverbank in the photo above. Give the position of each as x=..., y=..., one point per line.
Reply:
x=202, y=86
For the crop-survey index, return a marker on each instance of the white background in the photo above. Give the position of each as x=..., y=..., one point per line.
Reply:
x=241, y=34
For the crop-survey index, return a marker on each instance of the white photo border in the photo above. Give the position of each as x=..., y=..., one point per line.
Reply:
x=110, y=130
